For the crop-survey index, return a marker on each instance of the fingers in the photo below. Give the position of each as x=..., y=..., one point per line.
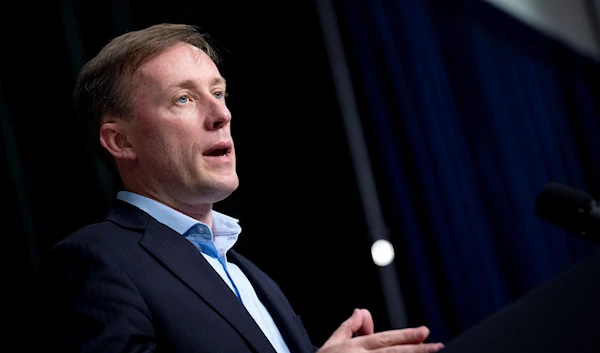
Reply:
x=360, y=323
x=411, y=348
x=408, y=340
x=394, y=337
x=367, y=327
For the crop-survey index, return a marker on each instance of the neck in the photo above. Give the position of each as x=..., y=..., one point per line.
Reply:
x=197, y=210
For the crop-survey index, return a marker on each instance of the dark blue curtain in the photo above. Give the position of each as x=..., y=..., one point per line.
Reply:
x=469, y=113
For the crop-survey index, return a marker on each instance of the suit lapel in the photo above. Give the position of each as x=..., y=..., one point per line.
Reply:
x=279, y=308
x=185, y=262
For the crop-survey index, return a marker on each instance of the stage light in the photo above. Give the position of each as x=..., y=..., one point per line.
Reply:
x=382, y=252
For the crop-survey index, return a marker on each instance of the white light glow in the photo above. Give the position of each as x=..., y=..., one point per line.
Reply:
x=382, y=252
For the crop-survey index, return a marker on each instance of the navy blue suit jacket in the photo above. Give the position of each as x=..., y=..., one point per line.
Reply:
x=131, y=284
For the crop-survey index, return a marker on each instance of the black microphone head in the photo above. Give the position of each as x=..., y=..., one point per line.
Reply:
x=565, y=207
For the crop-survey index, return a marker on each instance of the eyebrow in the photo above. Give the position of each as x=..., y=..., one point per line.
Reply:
x=218, y=81
x=192, y=84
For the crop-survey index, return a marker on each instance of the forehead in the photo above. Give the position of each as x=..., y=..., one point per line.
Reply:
x=180, y=62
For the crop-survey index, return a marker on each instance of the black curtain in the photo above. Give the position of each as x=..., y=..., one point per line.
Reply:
x=469, y=113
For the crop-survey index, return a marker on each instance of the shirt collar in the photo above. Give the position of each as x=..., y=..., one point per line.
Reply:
x=223, y=225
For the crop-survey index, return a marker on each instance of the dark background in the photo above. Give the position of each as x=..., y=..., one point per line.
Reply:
x=466, y=111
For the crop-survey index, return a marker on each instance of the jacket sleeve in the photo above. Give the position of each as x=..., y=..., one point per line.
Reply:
x=86, y=304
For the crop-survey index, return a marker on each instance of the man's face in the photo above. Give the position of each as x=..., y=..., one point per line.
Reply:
x=181, y=127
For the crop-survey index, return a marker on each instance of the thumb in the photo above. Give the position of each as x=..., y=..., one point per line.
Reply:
x=360, y=322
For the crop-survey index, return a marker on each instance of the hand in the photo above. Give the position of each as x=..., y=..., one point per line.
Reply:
x=394, y=341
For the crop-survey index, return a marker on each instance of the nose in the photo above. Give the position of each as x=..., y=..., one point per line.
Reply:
x=219, y=116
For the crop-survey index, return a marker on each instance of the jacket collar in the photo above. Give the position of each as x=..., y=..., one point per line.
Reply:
x=182, y=259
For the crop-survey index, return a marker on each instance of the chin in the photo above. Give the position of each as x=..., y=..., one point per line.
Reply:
x=221, y=189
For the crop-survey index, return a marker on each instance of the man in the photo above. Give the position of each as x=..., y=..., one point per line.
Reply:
x=158, y=273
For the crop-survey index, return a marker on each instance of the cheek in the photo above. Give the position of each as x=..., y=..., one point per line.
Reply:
x=149, y=128
x=152, y=128
x=163, y=136
x=171, y=144
x=149, y=142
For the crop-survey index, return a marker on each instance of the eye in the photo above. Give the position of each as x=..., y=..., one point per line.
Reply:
x=183, y=99
x=220, y=94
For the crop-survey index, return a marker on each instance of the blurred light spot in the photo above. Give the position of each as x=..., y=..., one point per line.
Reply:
x=382, y=252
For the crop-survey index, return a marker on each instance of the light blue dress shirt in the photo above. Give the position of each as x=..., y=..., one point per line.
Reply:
x=224, y=234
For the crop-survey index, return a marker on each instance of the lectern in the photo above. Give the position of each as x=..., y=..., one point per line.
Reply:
x=562, y=315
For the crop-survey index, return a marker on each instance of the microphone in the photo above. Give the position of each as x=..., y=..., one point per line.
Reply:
x=570, y=209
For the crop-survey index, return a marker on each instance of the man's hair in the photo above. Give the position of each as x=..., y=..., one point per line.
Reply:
x=103, y=87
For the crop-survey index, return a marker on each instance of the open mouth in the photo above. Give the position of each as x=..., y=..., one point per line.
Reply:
x=219, y=150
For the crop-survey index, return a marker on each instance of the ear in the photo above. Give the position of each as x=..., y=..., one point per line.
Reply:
x=113, y=138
